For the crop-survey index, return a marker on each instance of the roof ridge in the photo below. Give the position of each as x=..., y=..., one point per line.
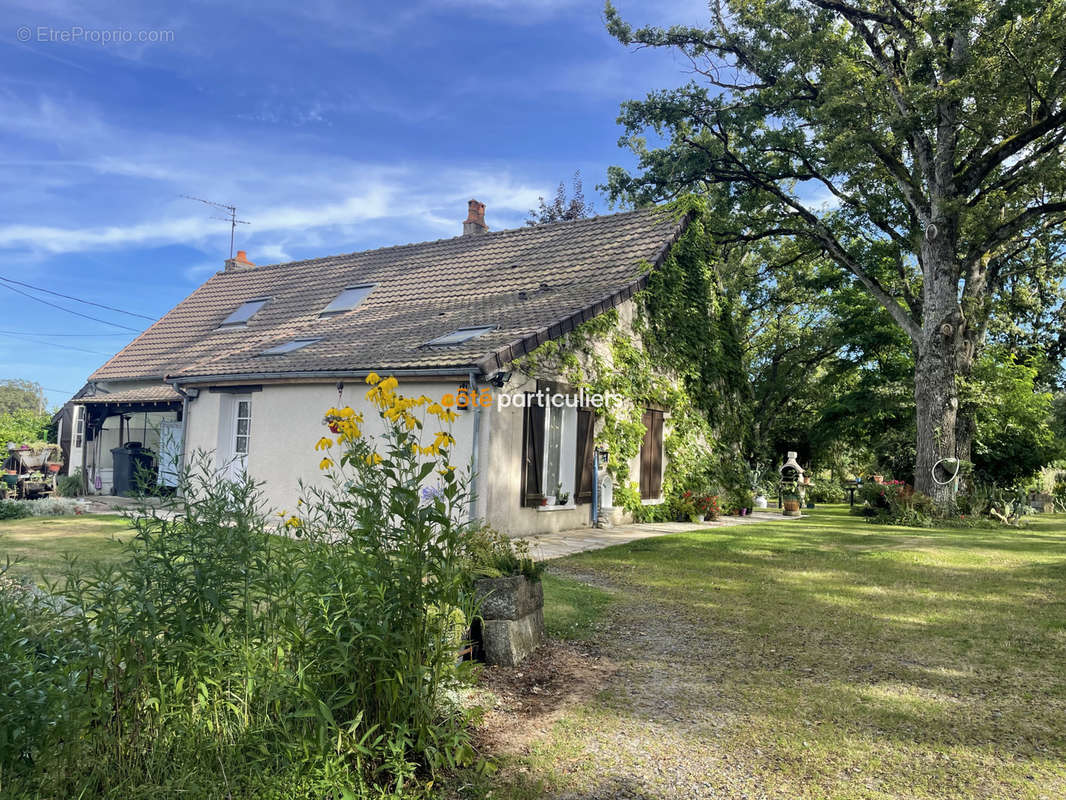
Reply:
x=524, y=229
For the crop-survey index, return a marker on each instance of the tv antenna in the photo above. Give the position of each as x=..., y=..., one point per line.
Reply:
x=231, y=218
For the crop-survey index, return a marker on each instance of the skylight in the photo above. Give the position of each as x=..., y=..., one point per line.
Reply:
x=288, y=347
x=348, y=299
x=245, y=311
x=462, y=335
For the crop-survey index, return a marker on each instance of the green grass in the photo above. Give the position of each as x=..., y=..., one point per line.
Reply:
x=571, y=608
x=825, y=658
x=40, y=543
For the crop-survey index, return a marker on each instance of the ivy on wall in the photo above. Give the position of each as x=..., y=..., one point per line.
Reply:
x=681, y=351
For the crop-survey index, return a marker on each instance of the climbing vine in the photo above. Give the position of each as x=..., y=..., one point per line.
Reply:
x=676, y=347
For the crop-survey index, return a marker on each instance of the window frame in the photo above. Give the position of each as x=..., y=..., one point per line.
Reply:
x=328, y=311
x=229, y=322
x=446, y=340
x=290, y=346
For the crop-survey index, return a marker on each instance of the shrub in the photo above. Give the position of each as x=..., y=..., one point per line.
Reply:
x=55, y=507
x=491, y=554
x=36, y=654
x=826, y=491
x=13, y=509
x=896, y=503
x=220, y=659
x=70, y=485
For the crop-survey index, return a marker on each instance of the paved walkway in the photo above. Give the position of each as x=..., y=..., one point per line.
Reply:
x=565, y=543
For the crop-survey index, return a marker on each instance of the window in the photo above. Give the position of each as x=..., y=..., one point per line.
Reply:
x=245, y=312
x=554, y=444
x=347, y=300
x=555, y=452
x=288, y=347
x=651, y=455
x=79, y=425
x=461, y=335
x=243, y=428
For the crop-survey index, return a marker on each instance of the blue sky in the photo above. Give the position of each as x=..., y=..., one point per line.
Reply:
x=332, y=127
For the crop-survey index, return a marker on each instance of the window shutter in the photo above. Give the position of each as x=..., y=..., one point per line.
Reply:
x=586, y=426
x=651, y=455
x=656, y=481
x=532, y=453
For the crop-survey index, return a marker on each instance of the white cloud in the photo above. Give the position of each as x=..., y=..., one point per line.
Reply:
x=294, y=199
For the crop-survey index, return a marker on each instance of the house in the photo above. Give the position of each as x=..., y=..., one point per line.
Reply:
x=247, y=365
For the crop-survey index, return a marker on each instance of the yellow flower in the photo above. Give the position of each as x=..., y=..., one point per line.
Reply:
x=324, y=443
x=372, y=459
x=435, y=409
x=325, y=463
x=389, y=384
x=293, y=522
x=372, y=378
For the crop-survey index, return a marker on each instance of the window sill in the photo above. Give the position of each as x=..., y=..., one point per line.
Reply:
x=654, y=501
x=567, y=507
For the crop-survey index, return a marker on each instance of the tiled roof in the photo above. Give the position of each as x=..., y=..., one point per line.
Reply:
x=530, y=283
x=145, y=394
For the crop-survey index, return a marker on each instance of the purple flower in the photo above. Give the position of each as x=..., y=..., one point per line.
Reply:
x=430, y=492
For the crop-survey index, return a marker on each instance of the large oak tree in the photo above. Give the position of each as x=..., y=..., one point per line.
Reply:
x=919, y=145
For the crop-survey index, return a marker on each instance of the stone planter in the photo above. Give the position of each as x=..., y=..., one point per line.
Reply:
x=512, y=614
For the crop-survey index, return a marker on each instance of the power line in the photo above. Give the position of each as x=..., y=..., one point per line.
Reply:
x=58, y=344
x=77, y=299
x=82, y=335
x=69, y=311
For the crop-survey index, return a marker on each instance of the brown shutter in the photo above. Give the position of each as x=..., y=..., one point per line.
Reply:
x=651, y=455
x=532, y=452
x=656, y=482
x=586, y=426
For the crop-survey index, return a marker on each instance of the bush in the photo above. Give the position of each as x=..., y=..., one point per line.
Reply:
x=220, y=659
x=825, y=491
x=70, y=485
x=13, y=509
x=491, y=554
x=895, y=503
x=55, y=507
x=36, y=654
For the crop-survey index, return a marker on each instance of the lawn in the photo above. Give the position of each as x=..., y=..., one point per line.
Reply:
x=820, y=658
x=40, y=543
x=824, y=658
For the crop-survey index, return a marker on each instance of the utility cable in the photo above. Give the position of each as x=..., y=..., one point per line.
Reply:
x=76, y=299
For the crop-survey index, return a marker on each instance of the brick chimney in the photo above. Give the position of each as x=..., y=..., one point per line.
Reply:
x=475, y=219
x=239, y=262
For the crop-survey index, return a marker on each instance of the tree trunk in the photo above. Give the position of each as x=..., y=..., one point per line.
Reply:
x=935, y=372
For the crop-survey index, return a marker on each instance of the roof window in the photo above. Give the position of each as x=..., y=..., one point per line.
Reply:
x=288, y=347
x=348, y=299
x=244, y=312
x=461, y=335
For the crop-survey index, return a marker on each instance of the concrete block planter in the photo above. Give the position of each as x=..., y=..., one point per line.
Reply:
x=512, y=613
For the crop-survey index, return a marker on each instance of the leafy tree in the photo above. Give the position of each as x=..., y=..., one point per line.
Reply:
x=917, y=145
x=1015, y=437
x=24, y=425
x=18, y=394
x=561, y=208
